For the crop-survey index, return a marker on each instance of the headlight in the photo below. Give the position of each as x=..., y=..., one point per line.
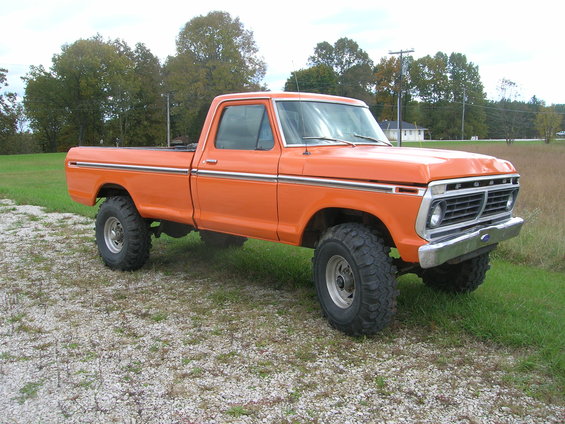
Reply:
x=511, y=200
x=437, y=213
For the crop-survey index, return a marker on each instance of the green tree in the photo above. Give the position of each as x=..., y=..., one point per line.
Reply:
x=528, y=128
x=96, y=91
x=508, y=108
x=8, y=109
x=45, y=107
x=317, y=79
x=149, y=120
x=215, y=55
x=446, y=85
x=386, y=79
x=87, y=69
x=351, y=64
x=136, y=108
x=548, y=122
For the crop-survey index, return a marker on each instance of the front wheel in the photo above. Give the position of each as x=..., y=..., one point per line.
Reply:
x=122, y=235
x=463, y=277
x=355, y=279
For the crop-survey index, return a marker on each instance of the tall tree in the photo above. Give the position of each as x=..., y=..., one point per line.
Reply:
x=508, y=109
x=351, y=64
x=450, y=90
x=136, y=110
x=316, y=79
x=45, y=107
x=96, y=91
x=87, y=69
x=149, y=120
x=548, y=122
x=215, y=55
x=386, y=79
x=8, y=108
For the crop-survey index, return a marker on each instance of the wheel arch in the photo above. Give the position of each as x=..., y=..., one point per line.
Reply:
x=331, y=216
x=111, y=190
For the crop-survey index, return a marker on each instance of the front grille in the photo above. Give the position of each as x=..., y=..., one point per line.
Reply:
x=496, y=201
x=466, y=204
x=464, y=208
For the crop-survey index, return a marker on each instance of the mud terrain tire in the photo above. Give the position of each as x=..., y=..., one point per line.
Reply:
x=122, y=235
x=355, y=279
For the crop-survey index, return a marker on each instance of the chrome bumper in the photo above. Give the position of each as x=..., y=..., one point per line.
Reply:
x=435, y=254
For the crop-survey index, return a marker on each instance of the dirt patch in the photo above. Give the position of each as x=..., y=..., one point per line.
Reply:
x=81, y=343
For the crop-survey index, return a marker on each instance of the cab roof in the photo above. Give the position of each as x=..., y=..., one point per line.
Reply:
x=288, y=96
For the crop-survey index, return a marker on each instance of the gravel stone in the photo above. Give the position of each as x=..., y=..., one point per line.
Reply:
x=81, y=343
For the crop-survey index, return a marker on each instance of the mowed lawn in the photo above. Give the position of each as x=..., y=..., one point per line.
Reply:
x=520, y=305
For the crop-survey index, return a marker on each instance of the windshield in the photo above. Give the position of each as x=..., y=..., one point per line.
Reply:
x=327, y=123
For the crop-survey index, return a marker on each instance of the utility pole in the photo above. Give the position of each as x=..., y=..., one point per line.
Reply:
x=168, y=120
x=463, y=117
x=399, y=105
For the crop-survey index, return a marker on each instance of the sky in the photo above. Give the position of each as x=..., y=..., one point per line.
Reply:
x=520, y=41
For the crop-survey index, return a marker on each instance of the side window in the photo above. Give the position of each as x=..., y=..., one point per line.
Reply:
x=245, y=127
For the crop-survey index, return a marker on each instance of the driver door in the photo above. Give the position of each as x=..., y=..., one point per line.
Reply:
x=236, y=182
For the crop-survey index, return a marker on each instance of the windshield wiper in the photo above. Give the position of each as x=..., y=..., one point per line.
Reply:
x=351, y=143
x=376, y=140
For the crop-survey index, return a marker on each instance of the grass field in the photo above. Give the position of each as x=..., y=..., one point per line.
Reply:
x=519, y=306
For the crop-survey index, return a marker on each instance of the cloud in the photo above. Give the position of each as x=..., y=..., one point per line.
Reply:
x=505, y=39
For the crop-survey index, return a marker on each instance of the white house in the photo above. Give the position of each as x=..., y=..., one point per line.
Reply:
x=410, y=132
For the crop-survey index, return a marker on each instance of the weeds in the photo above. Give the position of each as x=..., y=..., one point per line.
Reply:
x=29, y=391
x=238, y=411
x=542, y=240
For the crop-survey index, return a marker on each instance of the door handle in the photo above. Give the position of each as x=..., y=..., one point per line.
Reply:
x=212, y=161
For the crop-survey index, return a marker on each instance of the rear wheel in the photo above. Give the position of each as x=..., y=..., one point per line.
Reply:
x=463, y=277
x=122, y=235
x=355, y=279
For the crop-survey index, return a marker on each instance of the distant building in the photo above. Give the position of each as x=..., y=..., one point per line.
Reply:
x=410, y=132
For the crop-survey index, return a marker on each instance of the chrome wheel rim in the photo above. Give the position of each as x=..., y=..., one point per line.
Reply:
x=114, y=235
x=340, y=281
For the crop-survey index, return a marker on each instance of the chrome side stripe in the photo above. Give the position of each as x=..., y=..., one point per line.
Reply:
x=271, y=178
x=236, y=175
x=312, y=181
x=322, y=182
x=123, y=167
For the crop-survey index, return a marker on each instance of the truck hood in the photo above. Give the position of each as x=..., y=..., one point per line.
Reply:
x=401, y=165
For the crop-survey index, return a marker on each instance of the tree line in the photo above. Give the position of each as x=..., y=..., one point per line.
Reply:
x=442, y=93
x=104, y=92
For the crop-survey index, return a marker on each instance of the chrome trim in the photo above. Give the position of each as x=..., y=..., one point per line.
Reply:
x=434, y=254
x=235, y=175
x=336, y=183
x=122, y=167
x=477, y=178
x=428, y=198
x=312, y=181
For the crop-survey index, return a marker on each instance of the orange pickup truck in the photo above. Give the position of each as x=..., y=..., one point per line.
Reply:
x=307, y=170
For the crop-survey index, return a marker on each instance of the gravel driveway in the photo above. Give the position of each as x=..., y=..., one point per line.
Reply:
x=81, y=343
